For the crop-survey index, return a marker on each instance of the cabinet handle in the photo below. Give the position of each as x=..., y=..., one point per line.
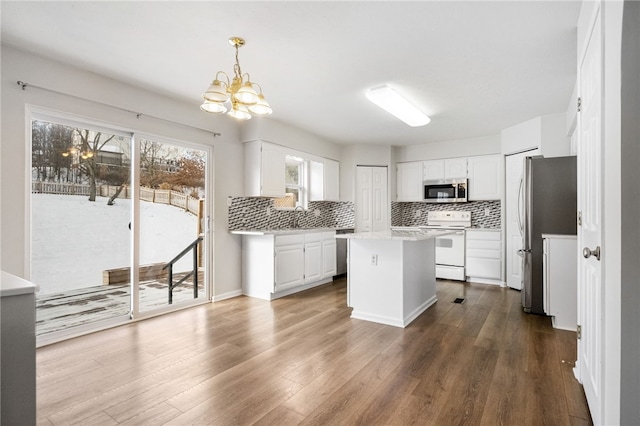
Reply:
x=587, y=252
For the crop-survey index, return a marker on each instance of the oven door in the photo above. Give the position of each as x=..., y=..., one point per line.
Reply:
x=450, y=249
x=450, y=257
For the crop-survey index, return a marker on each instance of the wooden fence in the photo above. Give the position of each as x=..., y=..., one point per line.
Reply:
x=162, y=196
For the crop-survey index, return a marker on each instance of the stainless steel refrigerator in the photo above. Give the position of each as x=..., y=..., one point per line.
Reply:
x=548, y=197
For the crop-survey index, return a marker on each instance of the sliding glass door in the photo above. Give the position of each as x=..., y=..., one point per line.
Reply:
x=117, y=226
x=172, y=195
x=80, y=240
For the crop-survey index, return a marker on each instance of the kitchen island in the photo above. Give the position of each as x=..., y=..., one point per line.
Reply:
x=391, y=274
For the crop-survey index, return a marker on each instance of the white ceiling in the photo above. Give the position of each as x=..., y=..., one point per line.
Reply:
x=475, y=67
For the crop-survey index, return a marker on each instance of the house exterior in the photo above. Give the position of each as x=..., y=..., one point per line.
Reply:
x=620, y=173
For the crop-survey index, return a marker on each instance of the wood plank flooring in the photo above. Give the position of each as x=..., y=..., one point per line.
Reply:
x=303, y=360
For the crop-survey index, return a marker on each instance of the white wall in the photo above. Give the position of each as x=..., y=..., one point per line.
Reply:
x=270, y=130
x=363, y=155
x=549, y=133
x=449, y=149
x=14, y=176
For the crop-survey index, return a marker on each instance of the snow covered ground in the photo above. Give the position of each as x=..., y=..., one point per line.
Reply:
x=74, y=240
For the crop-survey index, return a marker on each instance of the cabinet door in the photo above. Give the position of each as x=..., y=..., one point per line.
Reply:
x=485, y=177
x=272, y=173
x=324, y=180
x=331, y=180
x=289, y=268
x=329, y=258
x=312, y=261
x=409, y=181
x=433, y=169
x=455, y=168
x=316, y=181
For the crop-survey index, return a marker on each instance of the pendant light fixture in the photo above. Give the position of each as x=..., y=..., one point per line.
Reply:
x=238, y=96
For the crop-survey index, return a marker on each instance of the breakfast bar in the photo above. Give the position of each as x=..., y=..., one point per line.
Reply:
x=391, y=274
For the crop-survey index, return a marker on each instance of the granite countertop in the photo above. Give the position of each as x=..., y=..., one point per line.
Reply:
x=398, y=234
x=285, y=231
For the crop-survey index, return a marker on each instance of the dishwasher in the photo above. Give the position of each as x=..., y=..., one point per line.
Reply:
x=341, y=253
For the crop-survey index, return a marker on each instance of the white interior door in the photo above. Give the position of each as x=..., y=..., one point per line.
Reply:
x=514, y=165
x=590, y=299
x=371, y=199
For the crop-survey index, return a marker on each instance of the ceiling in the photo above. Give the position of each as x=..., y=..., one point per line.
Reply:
x=475, y=67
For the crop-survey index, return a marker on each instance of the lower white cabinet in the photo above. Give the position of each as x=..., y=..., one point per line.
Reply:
x=312, y=257
x=278, y=265
x=560, y=266
x=329, y=258
x=289, y=261
x=484, y=256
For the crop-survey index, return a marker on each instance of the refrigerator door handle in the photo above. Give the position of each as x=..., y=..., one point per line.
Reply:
x=518, y=213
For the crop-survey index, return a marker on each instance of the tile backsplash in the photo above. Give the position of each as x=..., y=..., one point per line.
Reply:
x=484, y=214
x=260, y=213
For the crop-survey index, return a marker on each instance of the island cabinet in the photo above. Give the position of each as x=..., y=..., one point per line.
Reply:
x=392, y=278
x=264, y=168
x=276, y=265
x=18, y=348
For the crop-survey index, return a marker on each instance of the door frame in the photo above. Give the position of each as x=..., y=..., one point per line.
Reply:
x=35, y=112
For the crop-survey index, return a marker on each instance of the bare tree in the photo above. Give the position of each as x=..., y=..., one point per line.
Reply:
x=90, y=144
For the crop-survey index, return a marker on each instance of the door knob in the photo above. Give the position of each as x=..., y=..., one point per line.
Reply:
x=587, y=252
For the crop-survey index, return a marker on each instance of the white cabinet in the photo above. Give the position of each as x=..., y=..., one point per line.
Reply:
x=278, y=265
x=559, y=260
x=324, y=180
x=312, y=257
x=484, y=256
x=449, y=168
x=289, y=261
x=264, y=168
x=455, y=168
x=486, y=177
x=433, y=169
x=409, y=181
x=329, y=259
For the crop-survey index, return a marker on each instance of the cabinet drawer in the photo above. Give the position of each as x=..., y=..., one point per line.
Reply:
x=484, y=268
x=484, y=245
x=286, y=240
x=483, y=253
x=313, y=237
x=483, y=235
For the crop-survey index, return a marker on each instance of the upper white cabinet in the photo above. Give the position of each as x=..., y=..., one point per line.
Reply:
x=449, y=168
x=486, y=177
x=455, y=168
x=433, y=169
x=409, y=181
x=324, y=180
x=264, y=167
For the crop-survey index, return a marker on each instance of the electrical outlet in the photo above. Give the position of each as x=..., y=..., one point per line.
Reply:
x=268, y=211
x=374, y=259
x=487, y=212
x=229, y=201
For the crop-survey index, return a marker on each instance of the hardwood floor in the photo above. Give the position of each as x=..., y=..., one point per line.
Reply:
x=303, y=360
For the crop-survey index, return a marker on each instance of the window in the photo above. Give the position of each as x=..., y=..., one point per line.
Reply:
x=295, y=183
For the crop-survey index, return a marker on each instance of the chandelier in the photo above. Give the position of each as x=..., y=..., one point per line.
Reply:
x=237, y=96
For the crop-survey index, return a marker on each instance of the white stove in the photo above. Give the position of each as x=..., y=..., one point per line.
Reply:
x=450, y=249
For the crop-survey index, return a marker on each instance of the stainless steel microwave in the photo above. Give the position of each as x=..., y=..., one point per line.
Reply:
x=446, y=191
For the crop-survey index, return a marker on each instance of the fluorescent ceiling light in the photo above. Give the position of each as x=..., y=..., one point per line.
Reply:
x=389, y=100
